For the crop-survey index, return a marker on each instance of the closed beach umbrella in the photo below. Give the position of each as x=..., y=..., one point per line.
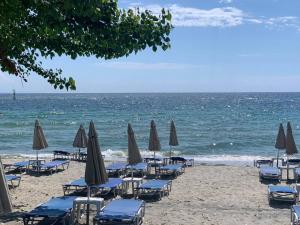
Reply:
x=95, y=172
x=280, y=141
x=154, y=143
x=291, y=147
x=39, y=140
x=173, y=141
x=80, y=140
x=134, y=155
x=5, y=201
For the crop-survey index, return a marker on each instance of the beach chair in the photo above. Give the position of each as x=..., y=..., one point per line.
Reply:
x=117, y=169
x=114, y=186
x=153, y=189
x=171, y=170
x=61, y=155
x=263, y=162
x=13, y=180
x=295, y=215
x=270, y=173
x=139, y=169
x=280, y=193
x=20, y=166
x=121, y=211
x=55, y=211
x=181, y=160
x=154, y=162
x=54, y=166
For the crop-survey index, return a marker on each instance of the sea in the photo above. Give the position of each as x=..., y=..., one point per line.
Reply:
x=222, y=128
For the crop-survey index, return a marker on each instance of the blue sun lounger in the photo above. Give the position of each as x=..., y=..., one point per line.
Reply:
x=13, y=180
x=121, y=211
x=114, y=185
x=270, y=173
x=153, y=189
x=55, y=211
x=54, y=166
x=21, y=166
x=171, y=170
x=139, y=169
x=295, y=215
x=116, y=169
x=282, y=193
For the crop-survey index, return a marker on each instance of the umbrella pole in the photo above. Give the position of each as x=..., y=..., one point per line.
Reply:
x=88, y=206
x=37, y=161
x=170, y=151
x=277, y=157
x=132, y=181
x=287, y=166
x=154, y=164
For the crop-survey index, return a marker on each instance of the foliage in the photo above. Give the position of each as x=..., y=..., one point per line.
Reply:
x=31, y=30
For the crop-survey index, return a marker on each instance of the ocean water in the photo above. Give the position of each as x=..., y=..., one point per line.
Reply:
x=231, y=127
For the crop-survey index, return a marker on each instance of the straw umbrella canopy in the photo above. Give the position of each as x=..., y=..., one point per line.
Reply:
x=80, y=140
x=280, y=141
x=291, y=147
x=173, y=141
x=95, y=172
x=5, y=201
x=134, y=155
x=154, y=143
x=39, y=140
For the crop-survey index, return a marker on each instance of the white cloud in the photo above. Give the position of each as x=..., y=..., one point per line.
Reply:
x=194, y=17
x=146, y=66
x=218, y=17
x=225, y=1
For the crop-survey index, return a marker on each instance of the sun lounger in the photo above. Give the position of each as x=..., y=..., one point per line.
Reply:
x=270, y=173
x=295, y=215
x=139, y=169
x=171, y=170
x=263, y=162
x=55, y=211
x=282, y=194
x=121, y=211
x=13, y=180
x=153, y=189
x=61, y=155
x=21, y=166
x=54, y=166
x=181, y=160
x=157, y=161
x=116, y=169
x=114, y=186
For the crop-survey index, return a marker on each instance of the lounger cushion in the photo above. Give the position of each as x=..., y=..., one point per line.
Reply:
x=296, y=209
x=55, y=207
x=117, y=166
x=281, y=189
x=53, y=164
x=174, y=167
x=11, y=177
x=112, y=183
x=138, y=166
x=270, y=171
x=121, y=209
x=154, y=184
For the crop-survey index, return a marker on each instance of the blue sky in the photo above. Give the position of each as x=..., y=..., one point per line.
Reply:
x=217, y=46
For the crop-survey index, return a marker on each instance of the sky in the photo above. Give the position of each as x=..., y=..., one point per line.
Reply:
x=217, y=46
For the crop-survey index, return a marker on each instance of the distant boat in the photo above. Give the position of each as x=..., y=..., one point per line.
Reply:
x=14, y=94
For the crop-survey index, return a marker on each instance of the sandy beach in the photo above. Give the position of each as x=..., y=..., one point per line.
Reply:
x=203, y=195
